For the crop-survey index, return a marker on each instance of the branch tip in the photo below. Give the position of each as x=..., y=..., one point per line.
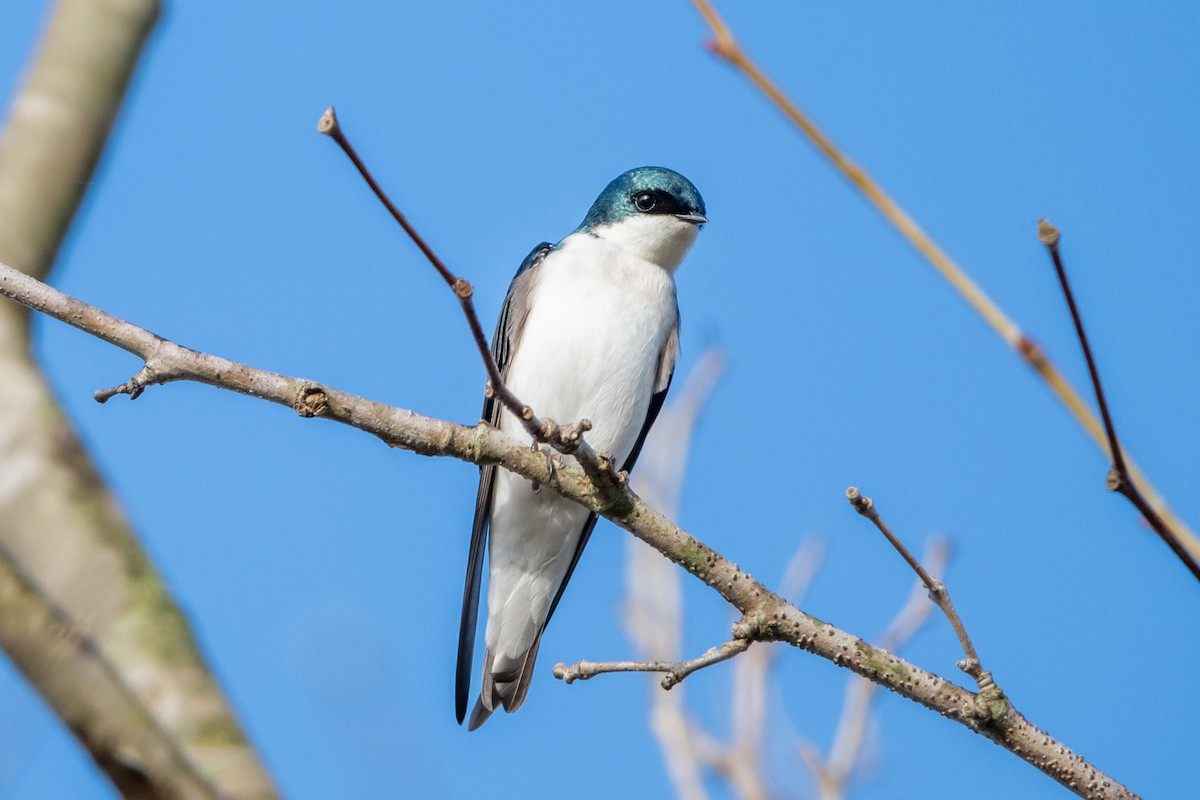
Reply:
x=1048, y=233
x=328, y=123
x=1118, y=478
x=862, y=505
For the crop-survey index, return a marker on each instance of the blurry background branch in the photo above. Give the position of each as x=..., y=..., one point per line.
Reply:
x=129, y=679
x=834, y=772
x=725, y=46
x=653, y=617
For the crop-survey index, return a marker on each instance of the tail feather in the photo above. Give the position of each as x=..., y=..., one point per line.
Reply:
x=505, y=683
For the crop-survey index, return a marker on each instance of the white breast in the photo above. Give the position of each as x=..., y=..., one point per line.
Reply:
x=598, y=319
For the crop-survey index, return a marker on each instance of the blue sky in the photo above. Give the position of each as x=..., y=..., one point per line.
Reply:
x=322, y=572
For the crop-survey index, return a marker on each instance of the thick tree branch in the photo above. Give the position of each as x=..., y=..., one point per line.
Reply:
x=69, y=553
x=107, y=715
x=767, y=616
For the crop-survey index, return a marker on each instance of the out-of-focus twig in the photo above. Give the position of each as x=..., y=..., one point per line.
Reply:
x=725, y=46
x=1118, y=477
x=833, y=773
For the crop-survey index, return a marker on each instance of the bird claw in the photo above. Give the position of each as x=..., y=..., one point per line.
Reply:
x=554, y=460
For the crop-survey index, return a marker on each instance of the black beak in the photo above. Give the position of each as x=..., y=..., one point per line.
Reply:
x=695, y=219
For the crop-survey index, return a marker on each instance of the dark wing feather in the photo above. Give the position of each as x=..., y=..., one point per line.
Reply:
x=662, y=382
x=508, y=332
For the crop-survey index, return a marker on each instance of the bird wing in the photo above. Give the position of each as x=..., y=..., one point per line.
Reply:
x=504, y=343
x=519, y=672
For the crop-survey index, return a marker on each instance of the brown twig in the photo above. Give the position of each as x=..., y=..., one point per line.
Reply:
x=567, y=439
x=1118, y=479
x=675, y=671
x=726, y=47
x=937, y=590
x=328, y=125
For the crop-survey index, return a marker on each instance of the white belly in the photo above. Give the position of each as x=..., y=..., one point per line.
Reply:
x=598, y=321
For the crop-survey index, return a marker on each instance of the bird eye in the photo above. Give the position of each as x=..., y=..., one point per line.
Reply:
x=644, y=201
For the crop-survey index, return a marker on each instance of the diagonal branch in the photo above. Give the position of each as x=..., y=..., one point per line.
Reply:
x=938, y=593
x=90, y=695
x=725, y=46
x=1119, y=479
x=767, y=616
x=568, y=439
x=328, y=125
x=132, y=686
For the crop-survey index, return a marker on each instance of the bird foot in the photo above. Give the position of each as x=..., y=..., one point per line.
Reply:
x=554, y=460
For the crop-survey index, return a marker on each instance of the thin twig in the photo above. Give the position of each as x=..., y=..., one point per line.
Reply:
x=726, y=47
x=675, y=671
x=328, y=125
x=1118, y=477
x=567, y=439
x=937, y=590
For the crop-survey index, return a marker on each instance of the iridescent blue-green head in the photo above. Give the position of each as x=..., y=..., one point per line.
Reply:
x=653, y=211
x=646, y=190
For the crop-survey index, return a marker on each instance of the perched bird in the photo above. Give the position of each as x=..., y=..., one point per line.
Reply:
x=589, y=330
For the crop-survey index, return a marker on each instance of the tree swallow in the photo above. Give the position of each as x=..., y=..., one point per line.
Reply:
x=589, y=330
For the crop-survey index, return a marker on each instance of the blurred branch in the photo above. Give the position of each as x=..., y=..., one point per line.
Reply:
x=726, y=47
x=654, y=591
x=834, y=772
x=766, y=616
x=125, y=674
x=129, y=744
x=1118, y=477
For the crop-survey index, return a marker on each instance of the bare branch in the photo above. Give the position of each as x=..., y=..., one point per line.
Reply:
x=125, y=675
x=675, y=671
x=328, y=125
x=1119, y=479
x=90, y=695
x=766, y=616
x=567, y=439
x=937, y=592
x=726, y=47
